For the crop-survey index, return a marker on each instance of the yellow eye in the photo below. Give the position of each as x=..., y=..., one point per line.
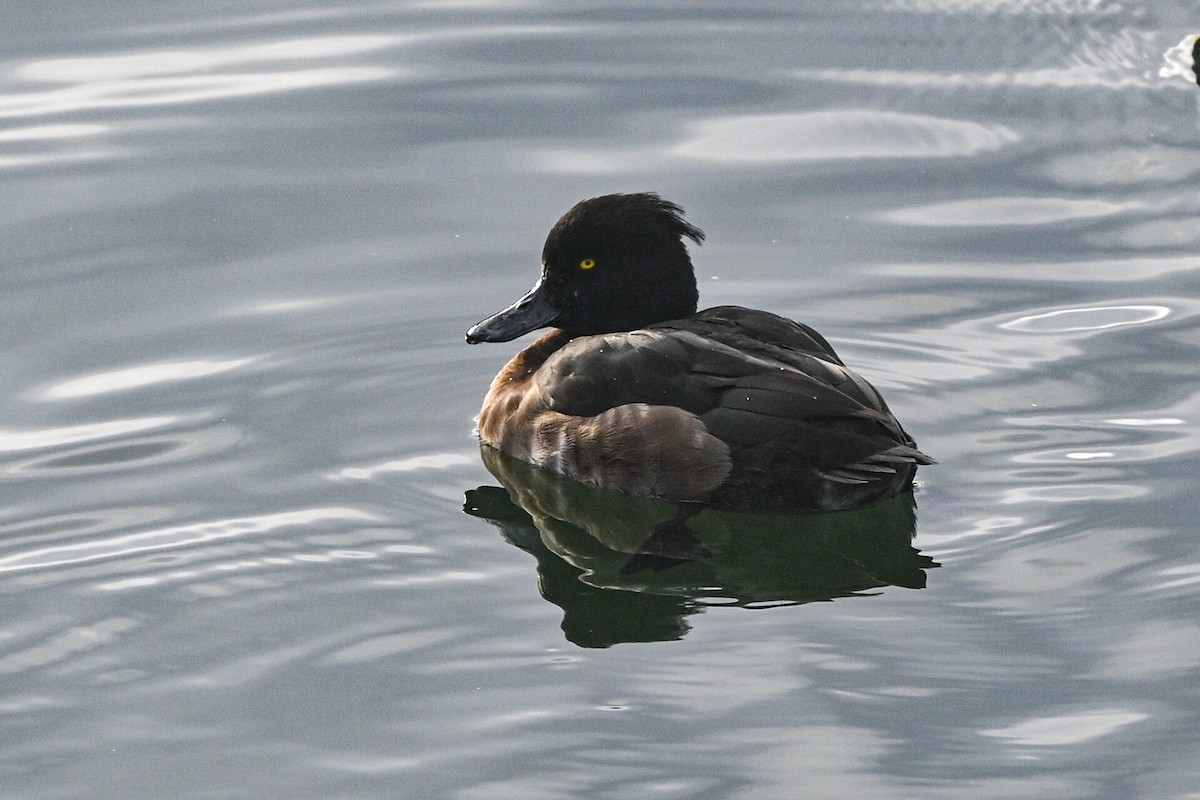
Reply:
x=587, y=263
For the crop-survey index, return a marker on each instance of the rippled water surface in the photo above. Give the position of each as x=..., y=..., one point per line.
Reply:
x=248, y=546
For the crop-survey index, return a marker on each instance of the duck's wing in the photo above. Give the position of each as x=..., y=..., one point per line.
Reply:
x=776, y=339
x=591, y=374
x=740, y=397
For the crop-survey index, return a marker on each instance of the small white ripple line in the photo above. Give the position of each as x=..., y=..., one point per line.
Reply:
x=1188, y=575
x=413, y=464
x=176, y=536
x=140, y=376
x=1067, y=729
x=73, y=641
x=18, y=440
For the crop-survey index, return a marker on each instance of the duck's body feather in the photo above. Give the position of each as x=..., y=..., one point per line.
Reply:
x=728, y=406
x=750, y=397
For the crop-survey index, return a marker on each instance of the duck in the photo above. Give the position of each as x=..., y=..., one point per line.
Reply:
x=635, y=391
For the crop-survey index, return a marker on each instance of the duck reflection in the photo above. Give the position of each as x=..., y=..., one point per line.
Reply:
x=632, y=569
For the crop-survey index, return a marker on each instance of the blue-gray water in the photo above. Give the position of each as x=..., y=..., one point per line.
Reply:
x=241, y=243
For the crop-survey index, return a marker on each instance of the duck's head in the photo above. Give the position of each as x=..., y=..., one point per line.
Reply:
x=612, y=263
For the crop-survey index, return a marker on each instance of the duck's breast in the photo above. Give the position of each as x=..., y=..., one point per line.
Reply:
x=640, y=448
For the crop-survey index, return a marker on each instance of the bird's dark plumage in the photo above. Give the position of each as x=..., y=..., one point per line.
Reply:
x=637, y=392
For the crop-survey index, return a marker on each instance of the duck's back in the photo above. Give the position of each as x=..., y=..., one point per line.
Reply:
x=801, y=429
x=755, y=332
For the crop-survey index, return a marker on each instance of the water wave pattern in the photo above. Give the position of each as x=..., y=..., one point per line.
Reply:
x=75, y=109
x=1015, y=8
x=171, y=537
x=1126, y=59
x=241, y=248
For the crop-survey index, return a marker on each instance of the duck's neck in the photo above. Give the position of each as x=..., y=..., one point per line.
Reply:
x=527, y=362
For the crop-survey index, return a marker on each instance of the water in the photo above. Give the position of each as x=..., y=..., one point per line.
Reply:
x=242, y=243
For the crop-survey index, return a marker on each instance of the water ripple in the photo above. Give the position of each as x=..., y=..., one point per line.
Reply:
x=174, y=536
x=970, y=349
x=16, y=440
x=1073, y=493
x=433, y=461
x=134, y=93
x=1116, y=440
x=1154, y=164
x=1125, y=59
x=68, y=644
x=43, y=133
x=167, y=62
x=1066, y=729
x=770, y=139
x=1009, y=7
x=137, y=377
x=128, y=453
x=1094, y=318
x=1186, y=575
x=999, y=211
x=159, y=78
x=839, y=134
x=1113, y=270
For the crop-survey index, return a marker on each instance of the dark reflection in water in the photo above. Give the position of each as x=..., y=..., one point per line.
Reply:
x=630, y=569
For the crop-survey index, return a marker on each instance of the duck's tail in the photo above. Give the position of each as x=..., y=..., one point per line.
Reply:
x=878, y=466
